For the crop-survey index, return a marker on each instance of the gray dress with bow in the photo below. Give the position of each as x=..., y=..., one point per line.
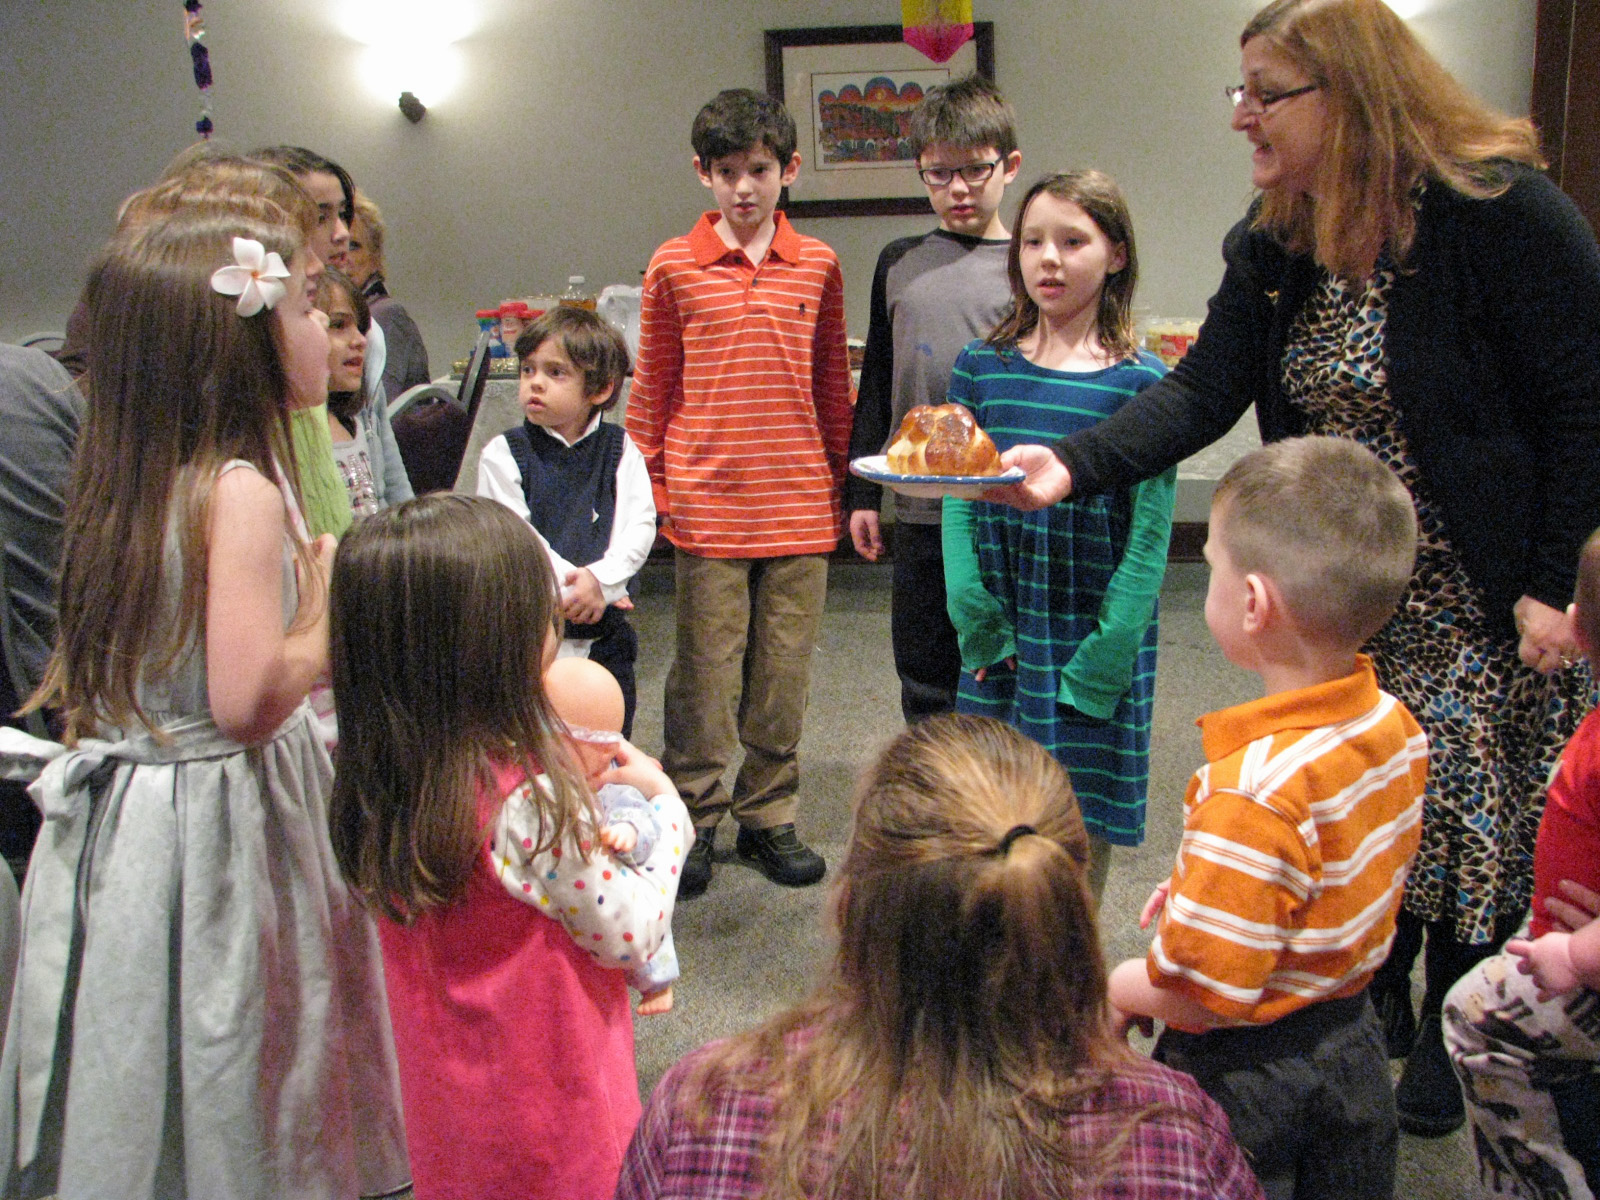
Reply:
x=199, y=1008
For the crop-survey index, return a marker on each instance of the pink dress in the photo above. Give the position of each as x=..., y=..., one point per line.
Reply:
x=515, y=1046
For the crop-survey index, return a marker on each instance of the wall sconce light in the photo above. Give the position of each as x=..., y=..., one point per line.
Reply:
x=410, y=47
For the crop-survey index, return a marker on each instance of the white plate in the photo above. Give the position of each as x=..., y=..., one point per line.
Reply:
x=875, y=469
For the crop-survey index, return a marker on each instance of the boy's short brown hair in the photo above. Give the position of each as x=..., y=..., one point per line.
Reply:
x=969, y=114
x=738, y=120
x=589, y=340
x=1332, y=526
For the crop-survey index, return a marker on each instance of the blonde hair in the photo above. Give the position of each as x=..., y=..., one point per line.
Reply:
x=178, y=384
x=222, y=182
x=963, y=1021
x=369, y=214
x=437, y=621
x=1396, y=119
x=1332, y=526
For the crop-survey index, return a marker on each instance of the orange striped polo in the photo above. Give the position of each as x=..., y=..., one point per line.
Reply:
x=741, y=400
x=1297, y=837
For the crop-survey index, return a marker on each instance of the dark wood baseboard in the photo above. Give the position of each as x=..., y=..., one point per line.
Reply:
x=1188, y=542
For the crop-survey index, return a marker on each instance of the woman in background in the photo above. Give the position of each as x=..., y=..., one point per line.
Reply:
x=407, y=362
x=1409, y=278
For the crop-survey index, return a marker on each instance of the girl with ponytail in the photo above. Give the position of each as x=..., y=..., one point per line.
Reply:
x=958, y=1046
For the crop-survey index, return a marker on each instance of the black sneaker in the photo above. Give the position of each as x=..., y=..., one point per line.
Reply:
x=696, y=874
x=780, y=854
x=1428, y=1097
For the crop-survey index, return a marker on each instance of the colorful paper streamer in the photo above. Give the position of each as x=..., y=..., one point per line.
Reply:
x=937, y=28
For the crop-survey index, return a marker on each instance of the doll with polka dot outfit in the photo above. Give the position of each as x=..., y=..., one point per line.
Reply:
x=652, y=835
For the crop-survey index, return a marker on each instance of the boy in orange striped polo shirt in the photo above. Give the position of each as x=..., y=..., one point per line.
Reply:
x=1299, y=830
x=741, y=406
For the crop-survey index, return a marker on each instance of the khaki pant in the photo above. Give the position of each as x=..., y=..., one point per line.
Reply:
x=746, y=631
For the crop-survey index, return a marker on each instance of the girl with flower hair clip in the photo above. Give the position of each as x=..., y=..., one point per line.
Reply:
x=199, y=1008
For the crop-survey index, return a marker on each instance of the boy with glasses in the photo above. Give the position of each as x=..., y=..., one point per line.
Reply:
x=931, y=295
x=741, y=407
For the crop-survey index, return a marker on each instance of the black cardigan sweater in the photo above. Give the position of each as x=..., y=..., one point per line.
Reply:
x=1493, y=349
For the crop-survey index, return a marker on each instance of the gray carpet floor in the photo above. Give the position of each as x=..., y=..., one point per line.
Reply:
x=749, y=948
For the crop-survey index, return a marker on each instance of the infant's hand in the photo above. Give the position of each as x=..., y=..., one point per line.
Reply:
x=656, y=1003
x=581, y=601
x=1154, y=905
x=638, y=769
x=1549, y=960
x=619, y=838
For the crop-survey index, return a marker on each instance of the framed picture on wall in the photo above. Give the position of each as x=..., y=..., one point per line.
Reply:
x=851, y=90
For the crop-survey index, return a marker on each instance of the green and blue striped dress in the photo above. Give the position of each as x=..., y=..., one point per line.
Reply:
x=1070, y=590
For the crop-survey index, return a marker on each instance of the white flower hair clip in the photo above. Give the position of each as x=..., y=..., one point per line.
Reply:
x=255, y=277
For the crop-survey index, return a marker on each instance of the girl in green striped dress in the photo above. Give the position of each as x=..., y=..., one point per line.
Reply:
x=1056, y=609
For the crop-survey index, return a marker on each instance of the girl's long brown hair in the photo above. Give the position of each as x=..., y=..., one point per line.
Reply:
x=1396, y=118
x=178, y=383
x=1098, y=195
x=964, y=1018
x=439, y=611
x=333, y=283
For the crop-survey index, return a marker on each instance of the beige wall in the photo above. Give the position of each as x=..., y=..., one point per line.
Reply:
x=565, y=149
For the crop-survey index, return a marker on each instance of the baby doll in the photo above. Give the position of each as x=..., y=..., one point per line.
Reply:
x=588, y=699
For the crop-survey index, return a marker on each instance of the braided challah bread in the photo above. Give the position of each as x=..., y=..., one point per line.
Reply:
x=942, y=441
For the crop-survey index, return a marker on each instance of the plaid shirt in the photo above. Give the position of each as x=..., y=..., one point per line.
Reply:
x=1182, y=1152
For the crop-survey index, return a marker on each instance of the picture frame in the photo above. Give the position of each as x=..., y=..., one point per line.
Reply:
x=850, y=89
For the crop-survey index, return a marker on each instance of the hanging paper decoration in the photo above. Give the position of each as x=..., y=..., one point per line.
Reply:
x=938, y=28
x=194, y=30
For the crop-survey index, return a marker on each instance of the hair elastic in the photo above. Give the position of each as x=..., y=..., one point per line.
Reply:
x=1012, y=835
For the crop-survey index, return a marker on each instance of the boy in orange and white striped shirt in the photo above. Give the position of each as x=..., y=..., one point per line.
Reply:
x=1300, y=829
x=742, y=407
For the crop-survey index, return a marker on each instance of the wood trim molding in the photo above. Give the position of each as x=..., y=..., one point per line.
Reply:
x=1565, y=104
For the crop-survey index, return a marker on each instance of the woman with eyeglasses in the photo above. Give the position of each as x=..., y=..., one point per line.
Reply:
x=1409, y=278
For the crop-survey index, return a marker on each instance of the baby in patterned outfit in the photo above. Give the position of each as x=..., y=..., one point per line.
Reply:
x=651, y=835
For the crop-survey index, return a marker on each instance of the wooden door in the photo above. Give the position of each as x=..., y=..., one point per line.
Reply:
x=1566, y=97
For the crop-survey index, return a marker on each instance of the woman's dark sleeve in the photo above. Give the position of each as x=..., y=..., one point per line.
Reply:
x=1538, y=268
x=1204, y=395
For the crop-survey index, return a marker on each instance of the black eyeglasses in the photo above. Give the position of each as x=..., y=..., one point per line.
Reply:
x=978, y=172
x=1256, y=103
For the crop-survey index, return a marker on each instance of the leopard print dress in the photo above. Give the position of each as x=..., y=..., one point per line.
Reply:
x=1495, y=727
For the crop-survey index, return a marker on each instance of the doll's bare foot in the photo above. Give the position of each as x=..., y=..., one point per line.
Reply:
x=656, y=1003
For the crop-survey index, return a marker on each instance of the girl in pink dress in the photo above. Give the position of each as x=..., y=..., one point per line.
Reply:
x=458, y=814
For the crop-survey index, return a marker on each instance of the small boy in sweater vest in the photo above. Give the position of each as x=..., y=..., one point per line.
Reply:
x=1300, y=829
x=580, y=482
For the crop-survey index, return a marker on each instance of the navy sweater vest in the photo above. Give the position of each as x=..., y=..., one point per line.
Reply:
x=572, y=497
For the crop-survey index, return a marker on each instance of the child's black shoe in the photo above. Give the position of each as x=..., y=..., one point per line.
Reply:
x=1428, y=1098
x=780, y=854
